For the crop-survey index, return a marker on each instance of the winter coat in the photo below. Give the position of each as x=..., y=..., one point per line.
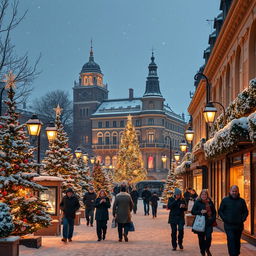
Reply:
x=122, y=207
x=187, y=196
x=102, y=209
x=146, y=195
x=176, y=215
x=199, y=205
x=89, y=200
x=233, y=211
x=69, y=206
x=154, y=200
x=134, y=195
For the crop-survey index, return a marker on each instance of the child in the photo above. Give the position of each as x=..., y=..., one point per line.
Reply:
x=153, y=200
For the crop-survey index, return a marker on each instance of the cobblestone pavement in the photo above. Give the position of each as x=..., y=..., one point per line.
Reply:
x=152, y=236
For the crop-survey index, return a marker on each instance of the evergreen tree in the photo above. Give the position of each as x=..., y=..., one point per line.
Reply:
x=129, y=160
x=58, y=159
x=6, y=224
x=100, y=179
x=17, y=170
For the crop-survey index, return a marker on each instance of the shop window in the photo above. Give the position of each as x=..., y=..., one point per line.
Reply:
x=150, y=162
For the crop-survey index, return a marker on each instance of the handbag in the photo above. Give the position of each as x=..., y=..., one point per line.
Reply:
x=190, y=205
x=199, y=224
x=131, y=227
x=113, y=224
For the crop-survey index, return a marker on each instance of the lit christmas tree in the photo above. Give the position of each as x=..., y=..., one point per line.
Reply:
x=17, y=170
x=129, y=161
x=58, y=159
x=101, y=179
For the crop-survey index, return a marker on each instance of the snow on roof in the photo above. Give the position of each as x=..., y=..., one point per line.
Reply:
x=46, y=178
x=119, y=106
x=170, y=112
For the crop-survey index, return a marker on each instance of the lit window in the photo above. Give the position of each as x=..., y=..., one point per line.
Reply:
x=150, y=162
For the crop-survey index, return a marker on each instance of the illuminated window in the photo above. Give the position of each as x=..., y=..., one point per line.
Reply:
x=150, y=162
x=107, y=160
x=114, y=161
x=98, y=159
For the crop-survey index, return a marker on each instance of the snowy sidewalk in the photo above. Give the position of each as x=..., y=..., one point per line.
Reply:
x=152, y=237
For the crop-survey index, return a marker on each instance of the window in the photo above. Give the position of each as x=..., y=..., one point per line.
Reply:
x=151, y=105
x=87, y=112
x=99, y=124
x=138, y=122
x=150, y=162
x=107, y=124
x=114, y=123
x=151, y=137
x=107, y=160
x=114, y=161
x=122, y=123
x=150, y=121
x=162, y=122
x=138, y=135
x=100, y=138
x=94, y=80
x=114, y=138
x=86, y=139
x=81, y=112
x=107, y=138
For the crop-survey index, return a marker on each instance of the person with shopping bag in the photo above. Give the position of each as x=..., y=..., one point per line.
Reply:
x=177, y=207
x=203, y=225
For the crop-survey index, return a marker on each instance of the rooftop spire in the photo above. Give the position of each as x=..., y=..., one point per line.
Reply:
x=91, y=53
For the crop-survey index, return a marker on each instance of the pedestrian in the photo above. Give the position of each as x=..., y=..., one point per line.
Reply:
x=122, y=208
x=146, y=195
x=89, y=203
x=69, y=205
x=177, y=207
x=193, y=194
x=154, y=203
x=187, y=195
x=102, y=205
x=233, y=211
x=204, y=206
x=134, y=195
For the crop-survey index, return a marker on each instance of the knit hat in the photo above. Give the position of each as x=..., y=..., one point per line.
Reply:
x=177, y=191
x=69, y=190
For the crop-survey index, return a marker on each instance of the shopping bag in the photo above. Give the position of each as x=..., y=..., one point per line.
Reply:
x=113, y=224
x=190, y=205
x=199, y=224
x=131, y=227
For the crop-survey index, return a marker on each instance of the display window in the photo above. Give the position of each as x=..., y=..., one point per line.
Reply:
x=50, y=198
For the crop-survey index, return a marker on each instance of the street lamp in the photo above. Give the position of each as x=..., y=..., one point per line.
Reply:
x=92, y=159
x=51, y=132
x=209, y=113
x=78, y=153
x=85, y=158
x=189, y=134
x=183, y=146
x=164, y=158
x=176, y=156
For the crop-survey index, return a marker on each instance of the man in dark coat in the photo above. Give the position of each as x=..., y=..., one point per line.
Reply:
x=177, y=207
x=69, y=205
x=146, y=195
x=187, y=195
x=134, y=195
x=233, y=211
x=154, y=203
x=89, y=203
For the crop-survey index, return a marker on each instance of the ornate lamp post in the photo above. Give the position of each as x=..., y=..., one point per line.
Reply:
x=176, y=156
x=51, y=132
x=183, y=146
x=78, y=153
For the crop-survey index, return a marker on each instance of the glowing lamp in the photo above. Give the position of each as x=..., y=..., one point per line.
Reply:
x=51, y=132
x=85, y=158
x=183, y=146
x=176, y=156
x=92, y=160
x=164, y=158
x=189, y=134
x=209, y=113
x=78, y=153
x=34, y=125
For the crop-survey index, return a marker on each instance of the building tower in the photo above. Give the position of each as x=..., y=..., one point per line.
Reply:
x=88, y=94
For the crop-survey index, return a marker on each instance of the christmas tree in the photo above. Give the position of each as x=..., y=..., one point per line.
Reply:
x=170, y=185
x=17, y=170
x=58, y=159
x=100, y=179
x=6, y=224
x=129, y=160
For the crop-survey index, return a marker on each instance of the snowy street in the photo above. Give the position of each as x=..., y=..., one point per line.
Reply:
x=151, y=237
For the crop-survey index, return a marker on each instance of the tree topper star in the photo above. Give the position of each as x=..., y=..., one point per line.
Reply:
x=58, y=110
x=129, y=118
x=10, y=81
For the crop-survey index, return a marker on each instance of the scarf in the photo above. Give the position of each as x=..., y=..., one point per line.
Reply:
x=208, y=207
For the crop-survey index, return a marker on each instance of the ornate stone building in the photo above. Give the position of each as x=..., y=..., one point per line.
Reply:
x=99, y=122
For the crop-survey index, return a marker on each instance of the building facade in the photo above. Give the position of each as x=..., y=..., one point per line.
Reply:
x=224, y=152
x=99, y=122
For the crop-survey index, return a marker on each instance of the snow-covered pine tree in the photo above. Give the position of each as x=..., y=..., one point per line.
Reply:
x=58, y=159
x=6, y=224
x=100, y=179
x=129, y=161
x=17, y=170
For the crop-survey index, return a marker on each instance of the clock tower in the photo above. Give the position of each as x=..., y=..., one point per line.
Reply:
x=88, y=94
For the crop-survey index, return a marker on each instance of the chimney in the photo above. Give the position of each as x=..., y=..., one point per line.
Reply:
x=130, y=94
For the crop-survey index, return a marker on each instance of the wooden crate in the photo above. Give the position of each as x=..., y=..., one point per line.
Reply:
x=31, y=241
x=53, y=230
x=9, y=246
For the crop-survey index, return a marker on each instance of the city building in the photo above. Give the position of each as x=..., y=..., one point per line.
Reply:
x=99, y=122
x=224, y=152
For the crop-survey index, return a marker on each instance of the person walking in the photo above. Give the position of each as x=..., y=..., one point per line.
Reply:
x=134, y=195
x=146, y=195
x=187, y=195
x=154, y=203
x=122, y=208
x=69, y=205
x=177, y=207
x=102, y=205
x=233, y=211
x=204, y=206
x=89, y=203
x=193, y=194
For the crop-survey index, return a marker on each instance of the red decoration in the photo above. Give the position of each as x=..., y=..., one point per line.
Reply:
x=16, y=166
x=25, y=220
x=1, y=126
x=4, y=193
x=25, y=161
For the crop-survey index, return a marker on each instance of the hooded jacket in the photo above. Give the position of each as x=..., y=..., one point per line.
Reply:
x=69, y=206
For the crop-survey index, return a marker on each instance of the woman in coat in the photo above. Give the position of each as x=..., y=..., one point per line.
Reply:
x=204, y=206
x=122, y=208
x=177, y=207
x=102, y=204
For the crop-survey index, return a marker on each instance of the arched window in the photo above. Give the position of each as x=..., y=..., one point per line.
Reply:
x=107, y=138
x=107, y=160
x=114, y=161
x=100, y=138
x=252, y=51
x=151, y=137
x=150, y=162
x=114, y=138
x=227, y=86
